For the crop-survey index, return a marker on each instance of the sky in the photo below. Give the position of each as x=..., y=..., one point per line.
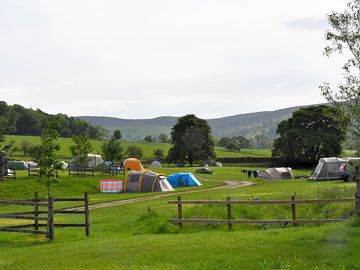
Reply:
x=144, y=59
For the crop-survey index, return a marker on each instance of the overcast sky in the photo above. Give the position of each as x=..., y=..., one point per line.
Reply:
x=142, y=59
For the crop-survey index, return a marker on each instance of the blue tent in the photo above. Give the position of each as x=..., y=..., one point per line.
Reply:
x=183, y=180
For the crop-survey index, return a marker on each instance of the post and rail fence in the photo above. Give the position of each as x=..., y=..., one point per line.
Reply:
x=230, y=219
x=46, y=217
x=292, y=202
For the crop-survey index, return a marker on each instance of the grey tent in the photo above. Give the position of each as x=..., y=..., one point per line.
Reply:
x=276, y=173
x=146, y=181
x=92, y=160
x=329, y=168
x=155, y=164
x=204, y=171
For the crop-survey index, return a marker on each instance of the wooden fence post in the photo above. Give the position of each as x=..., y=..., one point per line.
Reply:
x=87, y=223
x=180, y=214
x=50, y=225
x=229, y=213
x=36, y=211
x=357, y=194
x=293, y=211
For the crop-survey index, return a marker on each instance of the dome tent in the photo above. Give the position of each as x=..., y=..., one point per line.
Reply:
x=205, y=170
x=329, y=168
x=277, y=173
x=146, y=181
x=155, y=164
x=183, y=180
x=92, y=161
x=132, y=164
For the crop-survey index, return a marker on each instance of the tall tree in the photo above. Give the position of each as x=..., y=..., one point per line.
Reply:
x=344, y=38
x=159, y=154
x=192, y=141
x=311, y=133
x=134, y=151
x=112, y=150
x=47, y=159
x=149, y=139
x=79, y=150
x=117, y=134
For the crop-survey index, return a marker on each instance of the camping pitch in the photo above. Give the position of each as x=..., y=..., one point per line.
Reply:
x=155, y=164
x=183, y=180
x=276, y=173
x=146, y=181
x=329, y=168
x=133, y=164
x=92, y=161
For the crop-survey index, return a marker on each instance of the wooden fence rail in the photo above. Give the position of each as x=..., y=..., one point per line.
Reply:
x=230, y=220
x=47, y=215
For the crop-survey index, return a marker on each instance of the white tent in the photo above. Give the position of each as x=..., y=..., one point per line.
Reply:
x=277, y=173
x=155, y=164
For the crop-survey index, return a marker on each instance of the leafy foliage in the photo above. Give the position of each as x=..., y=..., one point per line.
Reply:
x=81, y=147
x=112, y=150
x=117, y=134
x=134, y=151
x=192, y=141
x=46, y=156
x=311, y=133
x=149, y=139
x=17, y=120
x=344, y=38
x=159, y=154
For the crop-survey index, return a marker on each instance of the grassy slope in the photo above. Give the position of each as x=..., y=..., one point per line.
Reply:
x=148, y=149
x=128, y=237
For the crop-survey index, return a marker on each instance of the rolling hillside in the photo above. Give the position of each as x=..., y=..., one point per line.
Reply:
x=249, y=124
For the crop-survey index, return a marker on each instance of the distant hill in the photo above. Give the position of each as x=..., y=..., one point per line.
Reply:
x=249, y=124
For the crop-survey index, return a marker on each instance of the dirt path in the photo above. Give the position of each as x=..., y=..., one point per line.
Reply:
x=228, y=184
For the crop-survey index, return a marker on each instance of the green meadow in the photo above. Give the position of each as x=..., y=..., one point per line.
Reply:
x=147, y=148
x=132, y=237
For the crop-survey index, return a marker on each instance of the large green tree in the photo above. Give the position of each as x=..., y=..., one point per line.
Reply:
x=112, y=149
x=344, y=38
x=133, y=151
x=311, y=133
x=192, y=141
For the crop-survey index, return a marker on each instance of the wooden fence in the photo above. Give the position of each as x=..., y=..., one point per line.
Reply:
x=230, y=220
x=47, y=215
x=81, y=171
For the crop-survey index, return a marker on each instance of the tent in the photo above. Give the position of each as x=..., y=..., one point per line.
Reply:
x=183, y=179
x=133, y=164
x=155, y=164
x=146, y=181
x=277, y=173
x=17, y=165
x=204, y=171
x=329, y=168
x=93, y=160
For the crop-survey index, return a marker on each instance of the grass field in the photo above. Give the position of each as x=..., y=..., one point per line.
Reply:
x=130, y=237
x=148, y=148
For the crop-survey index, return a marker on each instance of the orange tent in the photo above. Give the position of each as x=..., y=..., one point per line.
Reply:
x=133, y=164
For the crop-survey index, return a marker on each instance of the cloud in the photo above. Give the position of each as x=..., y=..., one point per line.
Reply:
x=308, y=24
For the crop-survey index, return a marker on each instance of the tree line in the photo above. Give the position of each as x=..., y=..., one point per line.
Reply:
x=17, y=120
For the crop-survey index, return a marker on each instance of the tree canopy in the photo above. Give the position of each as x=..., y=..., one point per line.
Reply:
x=17, y=120
x=311, y=133
x=192, y=141
x=81, y=147
x=344, y=38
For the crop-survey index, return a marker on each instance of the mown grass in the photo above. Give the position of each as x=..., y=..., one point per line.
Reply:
x=132, y=237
